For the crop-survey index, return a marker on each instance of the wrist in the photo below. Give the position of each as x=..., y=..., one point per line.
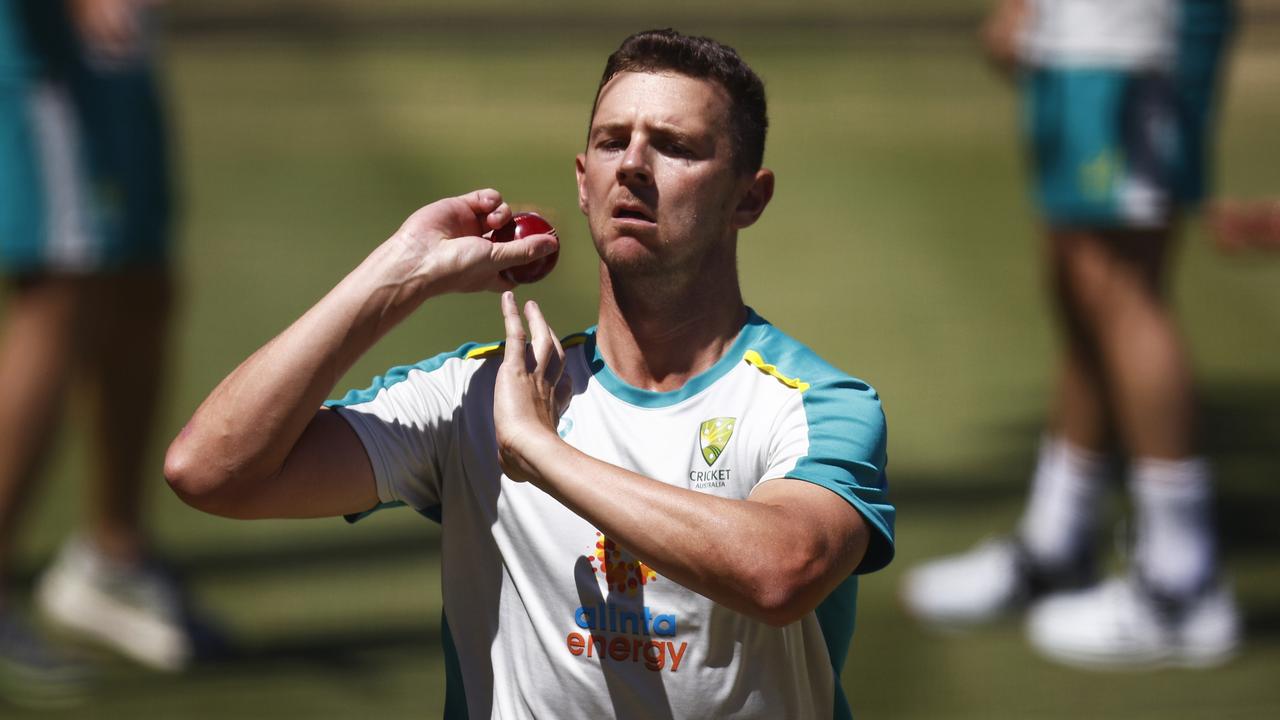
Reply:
x=540, y=452
x=416, y=274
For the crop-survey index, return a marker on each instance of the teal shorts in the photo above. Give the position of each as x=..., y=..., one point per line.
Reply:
x=1121, y=148
x=84, y=175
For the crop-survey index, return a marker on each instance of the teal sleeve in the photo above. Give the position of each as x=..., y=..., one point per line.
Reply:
x=847, y=455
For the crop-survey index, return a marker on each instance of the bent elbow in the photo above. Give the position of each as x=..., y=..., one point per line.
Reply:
x=781, y=604
x=783, y=593
x=195, y=482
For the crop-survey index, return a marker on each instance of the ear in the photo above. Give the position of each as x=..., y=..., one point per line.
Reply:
x=580, y=168
x=754, y=201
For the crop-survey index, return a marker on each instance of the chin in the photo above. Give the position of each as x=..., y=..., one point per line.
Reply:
x=630, y=258
x=635, y=264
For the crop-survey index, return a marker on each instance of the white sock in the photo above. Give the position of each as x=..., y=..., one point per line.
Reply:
x=1062, y=511
x=1174, y=545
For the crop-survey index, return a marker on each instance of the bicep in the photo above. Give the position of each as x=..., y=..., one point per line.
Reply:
x=326, y=474
x=816, y=518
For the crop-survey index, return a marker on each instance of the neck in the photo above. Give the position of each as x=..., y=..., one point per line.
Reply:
x=657, y=335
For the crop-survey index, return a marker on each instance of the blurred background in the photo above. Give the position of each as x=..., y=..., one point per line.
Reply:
x=901, y=245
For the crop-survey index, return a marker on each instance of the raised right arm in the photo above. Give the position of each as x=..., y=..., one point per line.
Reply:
x=258, y=446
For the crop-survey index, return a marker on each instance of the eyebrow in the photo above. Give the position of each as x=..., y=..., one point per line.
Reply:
x=662, y=130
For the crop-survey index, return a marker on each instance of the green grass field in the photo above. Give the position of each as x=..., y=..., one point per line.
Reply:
x=899, y=245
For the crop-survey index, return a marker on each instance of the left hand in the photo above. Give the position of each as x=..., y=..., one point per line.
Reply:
x=112, y=29
x=531, y=391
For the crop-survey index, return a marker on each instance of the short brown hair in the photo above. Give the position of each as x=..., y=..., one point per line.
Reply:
x=705, y=59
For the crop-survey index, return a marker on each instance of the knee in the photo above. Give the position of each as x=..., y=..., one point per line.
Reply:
x=1084, y=284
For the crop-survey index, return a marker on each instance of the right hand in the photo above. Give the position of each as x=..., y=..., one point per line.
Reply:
x=1000, y=34
x=444, y=241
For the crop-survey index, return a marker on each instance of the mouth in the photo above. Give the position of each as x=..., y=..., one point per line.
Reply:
x=632, y=212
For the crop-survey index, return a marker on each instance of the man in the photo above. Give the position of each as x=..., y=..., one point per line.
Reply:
x=84, y=231
x=1118, y=98
x=659, y=517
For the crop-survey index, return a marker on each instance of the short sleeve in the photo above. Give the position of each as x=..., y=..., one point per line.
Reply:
x=834, y=435
x=405, y=420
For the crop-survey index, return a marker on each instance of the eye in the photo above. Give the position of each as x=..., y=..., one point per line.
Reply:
x=612, y=144
x=675, y=147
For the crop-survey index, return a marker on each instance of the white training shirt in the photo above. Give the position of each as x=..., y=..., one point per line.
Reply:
x=545, y=617
x=1119, y=34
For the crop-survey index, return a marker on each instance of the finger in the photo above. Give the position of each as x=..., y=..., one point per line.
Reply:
x=563, y=394
x=482, y=202
x=513, y=354
x=543, y=342
x=525, y=250
x=500, y=216
x=559, y=349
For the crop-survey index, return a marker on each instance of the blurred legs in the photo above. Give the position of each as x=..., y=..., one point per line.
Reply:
x=124, y=373
x=35, y=359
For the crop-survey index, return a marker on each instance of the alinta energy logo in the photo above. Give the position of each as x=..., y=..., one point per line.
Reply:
x=621, y=571
x=623, y=630
x=713, y=437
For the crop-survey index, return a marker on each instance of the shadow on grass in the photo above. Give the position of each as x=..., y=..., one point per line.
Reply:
x=318, y=553
x=326, y=552
x=1241, y=434
x=345, y=648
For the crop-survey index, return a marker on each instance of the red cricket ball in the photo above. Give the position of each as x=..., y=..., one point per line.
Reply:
x=523, y=225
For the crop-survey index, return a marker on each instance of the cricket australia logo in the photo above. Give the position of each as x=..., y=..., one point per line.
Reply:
x=713, y=436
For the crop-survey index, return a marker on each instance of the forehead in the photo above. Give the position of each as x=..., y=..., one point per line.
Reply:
x=663, y=98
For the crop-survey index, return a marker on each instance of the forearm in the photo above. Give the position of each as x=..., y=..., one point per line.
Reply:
x=761, y=559
x=247, y=426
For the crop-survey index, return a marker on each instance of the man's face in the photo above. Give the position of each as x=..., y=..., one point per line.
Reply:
x=657, y=181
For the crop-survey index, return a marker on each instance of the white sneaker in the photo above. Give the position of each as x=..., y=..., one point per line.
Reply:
x=995, y=579
x=1119, y=624
x=974, y=587
x=136, y=611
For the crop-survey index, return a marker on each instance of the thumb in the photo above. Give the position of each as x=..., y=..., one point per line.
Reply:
x=524, y=250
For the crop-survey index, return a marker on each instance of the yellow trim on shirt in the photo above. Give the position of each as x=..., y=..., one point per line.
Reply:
x=754, y=358
x=487, y=351
x=483, y=351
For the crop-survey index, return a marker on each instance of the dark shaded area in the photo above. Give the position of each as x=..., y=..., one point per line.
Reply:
x=1241, y=431
x=1242, y=436
x=356, y=654
x=1261, y=622
x=411, y=545
x=322, y=553
x=336, y=648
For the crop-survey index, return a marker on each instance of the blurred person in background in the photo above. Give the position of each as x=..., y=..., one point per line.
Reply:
x=1118, y=98
x=85, y=225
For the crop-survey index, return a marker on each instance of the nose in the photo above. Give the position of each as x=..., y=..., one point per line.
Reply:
x=634, y=166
